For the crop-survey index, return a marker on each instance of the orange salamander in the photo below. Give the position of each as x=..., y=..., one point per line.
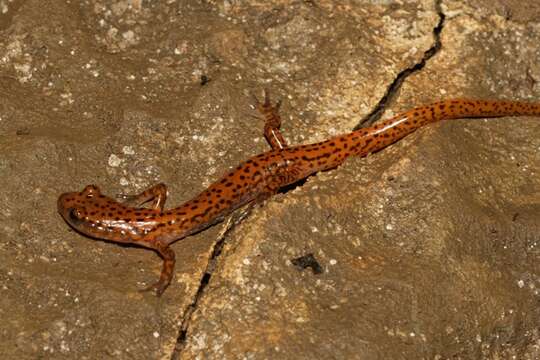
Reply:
x=259, y=177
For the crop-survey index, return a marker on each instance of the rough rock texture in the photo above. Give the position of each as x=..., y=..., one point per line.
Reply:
x=428, y=249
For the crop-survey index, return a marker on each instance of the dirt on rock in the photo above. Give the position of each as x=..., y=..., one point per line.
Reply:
x=429, y=249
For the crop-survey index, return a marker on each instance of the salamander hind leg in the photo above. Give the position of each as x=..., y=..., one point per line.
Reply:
x=272, y=121
x=166, y=272
x=157, y=194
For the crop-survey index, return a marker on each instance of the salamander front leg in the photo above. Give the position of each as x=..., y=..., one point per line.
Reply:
x=167, y=271
x=157, y=194
x=272, y=122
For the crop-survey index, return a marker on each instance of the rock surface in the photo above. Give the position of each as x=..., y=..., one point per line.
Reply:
x=427, y=249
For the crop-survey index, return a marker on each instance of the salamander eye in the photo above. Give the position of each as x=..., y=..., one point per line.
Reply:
x=75, y=215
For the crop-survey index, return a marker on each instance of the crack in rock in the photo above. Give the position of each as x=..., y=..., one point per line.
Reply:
x=404, y=74
x=205, y=279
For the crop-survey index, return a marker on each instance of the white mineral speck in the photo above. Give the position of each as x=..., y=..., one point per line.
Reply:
x=333, y=261
x=114, y=161
x=199, y=342
x=128, y=150
x=521, y=283
x=246, y=261
x=389, y=227
x=129, y=35
x=155, y=334
x=124, y=181
x=63, y=346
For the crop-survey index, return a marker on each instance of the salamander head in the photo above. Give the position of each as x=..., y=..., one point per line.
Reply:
x=96, y=215
x=92, y=213
x=80, y=207
x=73, y=205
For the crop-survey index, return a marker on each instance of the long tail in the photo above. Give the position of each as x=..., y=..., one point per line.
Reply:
x=371, y=139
